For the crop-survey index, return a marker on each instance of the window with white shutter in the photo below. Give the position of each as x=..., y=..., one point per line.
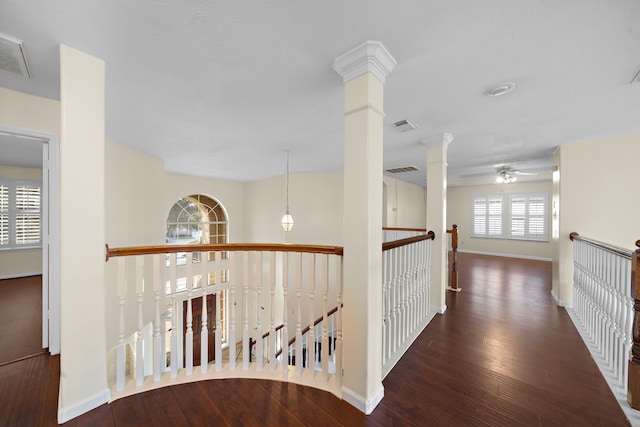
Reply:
x=528, y=216
x=487, y=213
x=20, y=214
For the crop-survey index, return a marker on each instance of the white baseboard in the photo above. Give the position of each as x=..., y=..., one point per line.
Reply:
x=439, y=310
x=559, y=302
x=19, y=275
x=364, y=405
x=70, y=412
x=533, y=258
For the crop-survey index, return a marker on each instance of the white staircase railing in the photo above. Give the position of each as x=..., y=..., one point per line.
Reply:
x=603, y=307
x=405, y=299
x=208, y=305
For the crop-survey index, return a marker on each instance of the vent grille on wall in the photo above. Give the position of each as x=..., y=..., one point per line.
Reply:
x=12, y=57
x=403, y=169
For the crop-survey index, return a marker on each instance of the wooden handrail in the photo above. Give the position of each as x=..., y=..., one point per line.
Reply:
x=221, y=247
x=409, y=240
x=626, y=253
x=633, y=382
x=419, y=230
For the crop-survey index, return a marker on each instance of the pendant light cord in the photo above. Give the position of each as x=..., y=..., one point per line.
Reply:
x=287, y=209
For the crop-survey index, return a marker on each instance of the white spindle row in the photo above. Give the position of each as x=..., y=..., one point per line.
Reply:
x=405, y=298
x=275, y=288
x=603, y=308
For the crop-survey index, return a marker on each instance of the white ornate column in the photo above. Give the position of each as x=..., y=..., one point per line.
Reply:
x=437, y=218
x=363, y=70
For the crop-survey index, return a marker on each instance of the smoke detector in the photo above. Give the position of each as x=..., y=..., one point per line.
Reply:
x=12, y=57
x=405, y=125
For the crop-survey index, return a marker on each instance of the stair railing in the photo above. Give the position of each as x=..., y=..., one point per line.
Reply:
x=253, y=287
x=603, y=308
x=405, y=295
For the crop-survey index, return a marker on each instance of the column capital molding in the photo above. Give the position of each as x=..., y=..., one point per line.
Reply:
x=441, y=139
x=368, y=57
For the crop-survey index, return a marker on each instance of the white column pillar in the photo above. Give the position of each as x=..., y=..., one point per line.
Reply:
x=437, y=218
x=83, y=353
x=364, y=70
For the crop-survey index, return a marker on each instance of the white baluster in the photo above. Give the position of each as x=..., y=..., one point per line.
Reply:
x=173, y=282
x=157, y=353
x=204, y=329
x=299, y=344
x=140, y=299
x=259, y=343
x=121, y=359
x=285, y=319
x=311, y=349
x=324, y=351
x=246, y=348
x=338, y=345
x=188, y=337
x=232, y=279
x=272, y=305
x=218, y=331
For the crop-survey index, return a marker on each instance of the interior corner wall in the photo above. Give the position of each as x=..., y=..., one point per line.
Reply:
x=598, y=196
x=315, y=201
x=459, y=212
x=228, y=193
x=23, y=262
x=406, y=204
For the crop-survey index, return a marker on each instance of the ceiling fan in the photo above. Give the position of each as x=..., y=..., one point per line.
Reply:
x=507, y=175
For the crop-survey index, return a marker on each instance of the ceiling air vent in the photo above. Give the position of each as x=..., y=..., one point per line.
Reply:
x=403, y=169
x=12, y=57
x=405, y=125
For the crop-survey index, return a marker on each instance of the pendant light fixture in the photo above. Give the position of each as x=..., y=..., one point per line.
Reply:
x=287, y=219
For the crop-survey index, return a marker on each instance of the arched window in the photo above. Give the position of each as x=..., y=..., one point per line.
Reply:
x=196, y=219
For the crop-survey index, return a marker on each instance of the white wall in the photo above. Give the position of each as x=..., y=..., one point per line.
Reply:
x=459, y=212
x=315, y=202
x=598, y=193
x=24, y=262
x=406, y=204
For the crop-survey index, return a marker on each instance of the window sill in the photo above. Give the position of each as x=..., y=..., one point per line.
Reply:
x=21, y=248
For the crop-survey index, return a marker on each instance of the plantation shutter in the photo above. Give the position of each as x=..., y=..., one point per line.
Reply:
x=528, y=216
x=27, y=222
x=487, y=216
x=4, y=215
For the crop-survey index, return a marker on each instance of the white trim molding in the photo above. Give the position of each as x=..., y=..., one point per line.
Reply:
x=368, y=57
x=559, y=302
x=68, y=413
x=20, y=275
x=364, y=405
x=534, y=258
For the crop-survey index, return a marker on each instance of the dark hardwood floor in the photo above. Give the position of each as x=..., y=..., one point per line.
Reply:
x=502, y=355
x=20, y=318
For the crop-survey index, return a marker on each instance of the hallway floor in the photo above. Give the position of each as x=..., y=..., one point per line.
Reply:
x=503, y=354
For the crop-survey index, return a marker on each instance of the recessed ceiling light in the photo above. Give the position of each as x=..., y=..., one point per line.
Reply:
x=501, y=89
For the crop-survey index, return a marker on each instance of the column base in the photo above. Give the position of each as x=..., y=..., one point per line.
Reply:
x=366, y=405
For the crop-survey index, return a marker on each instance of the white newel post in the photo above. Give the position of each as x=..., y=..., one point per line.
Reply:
x=437, y=218
x=363, y=70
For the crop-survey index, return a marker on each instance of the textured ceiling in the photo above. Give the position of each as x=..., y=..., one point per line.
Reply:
x=222, y=88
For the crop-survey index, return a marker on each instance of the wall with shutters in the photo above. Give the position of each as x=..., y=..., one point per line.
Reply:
x=23, y=262
x=459, y=212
